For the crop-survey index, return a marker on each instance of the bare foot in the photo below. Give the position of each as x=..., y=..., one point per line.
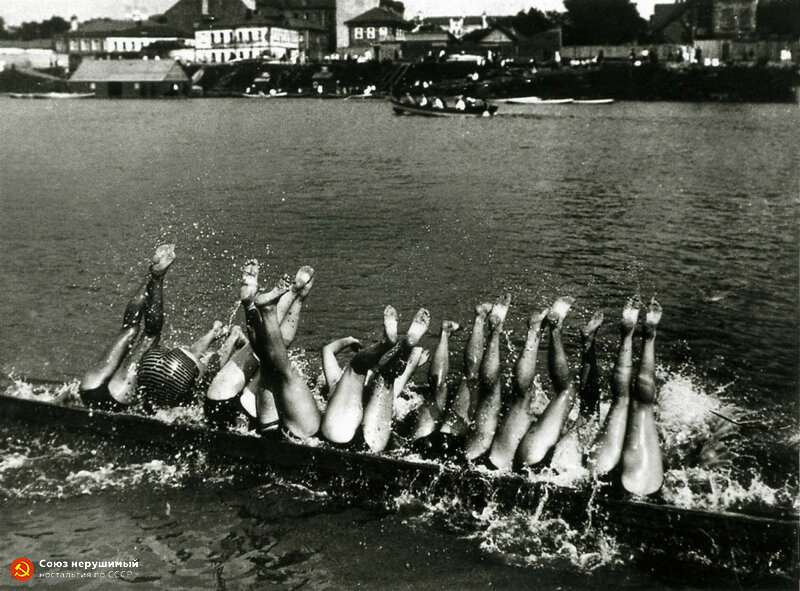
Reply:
x=162, y=259
x=418, y=357
x=390, y=325
x=265, y=299
x=249, y=281
x=449, y=327
x=303, y=281
x=419, y=325
x=482, y=310
x=559, y=310
x=652, y=318
x=591, y=327
x=237, y=335
x=630, y=314
x=499, y=311
x=218, y=330
x=537, y=320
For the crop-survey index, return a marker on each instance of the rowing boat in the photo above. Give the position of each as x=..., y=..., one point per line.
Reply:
x=403, y=108
x=758, y=542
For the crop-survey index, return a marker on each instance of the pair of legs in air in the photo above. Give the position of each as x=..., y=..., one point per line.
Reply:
x=524, y=439
x=629, y=431
x=281, y=394
x=366, y=378
x=112, y=382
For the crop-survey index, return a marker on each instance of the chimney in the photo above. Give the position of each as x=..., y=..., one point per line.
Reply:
x=484, y=21
x=73, y=23
x=204, y=7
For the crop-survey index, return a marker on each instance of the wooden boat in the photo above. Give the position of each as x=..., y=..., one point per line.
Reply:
x=262, y=95
x=593, y=101
x=402, y=108
x=535, y=100
x=51, y=95
x=757, y=543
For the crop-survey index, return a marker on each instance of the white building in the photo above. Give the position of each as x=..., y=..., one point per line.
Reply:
x=251, y=39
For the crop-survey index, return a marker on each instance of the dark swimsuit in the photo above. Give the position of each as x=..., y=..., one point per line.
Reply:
x=101, y=399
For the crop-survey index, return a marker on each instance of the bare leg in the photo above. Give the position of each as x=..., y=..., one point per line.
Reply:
x=346, y=404
x=149, y=305
x=296, y=406
x=458, y=415
x=642, y=466
x=289, y=306
x=101, y=373
x=430, y=412
x=330, y=367
x=378, y=414
x=242, y=366
x=590, y=380
x=520, y=412
x=487, y=413
x=545, y=432
x=199, y=348
x=607, y=449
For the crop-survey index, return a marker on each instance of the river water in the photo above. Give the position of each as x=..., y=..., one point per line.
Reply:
x=693, y=204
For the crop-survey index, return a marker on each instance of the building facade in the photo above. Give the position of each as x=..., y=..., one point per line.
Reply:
x=252, y=39
x=113, y=38
x=346, y=10
x=378, y=33
x=318, y=16
x=190, y=14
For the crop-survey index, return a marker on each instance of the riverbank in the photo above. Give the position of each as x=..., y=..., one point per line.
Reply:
x=615, y=80
x=622, y=81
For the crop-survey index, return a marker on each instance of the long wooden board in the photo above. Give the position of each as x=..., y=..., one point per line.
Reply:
x=762, y=543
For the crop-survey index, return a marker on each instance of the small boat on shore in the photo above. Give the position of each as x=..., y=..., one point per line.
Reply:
x=535, y=100
x=757, y=541
x=405, y=108
x=50, y=95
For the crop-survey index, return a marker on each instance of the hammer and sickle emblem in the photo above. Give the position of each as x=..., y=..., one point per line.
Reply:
x=22, y=569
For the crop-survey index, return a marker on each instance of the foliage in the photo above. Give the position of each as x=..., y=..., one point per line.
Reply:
x=778, y=18
x=394, y=5
x=35, y=30
x=601, y=22
x=531, y=22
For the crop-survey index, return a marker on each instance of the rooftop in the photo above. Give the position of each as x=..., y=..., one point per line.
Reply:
x=379, y=16
x=129, y=71
x=109, y=27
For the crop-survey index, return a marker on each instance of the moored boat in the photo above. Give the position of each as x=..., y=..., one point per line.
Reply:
x=758, y=541
x=405, y=108
x=606, y=101
x=535, y=100
x=51, y=95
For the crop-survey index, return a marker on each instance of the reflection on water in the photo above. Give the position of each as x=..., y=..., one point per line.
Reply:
x=695, y=204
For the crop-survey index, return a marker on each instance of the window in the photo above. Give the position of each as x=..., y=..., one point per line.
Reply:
x=383, y=32
x=358, y=33
x=370, y=32
x=400, y=34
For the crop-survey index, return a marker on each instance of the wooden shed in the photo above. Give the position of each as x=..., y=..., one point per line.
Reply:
x=130, y=78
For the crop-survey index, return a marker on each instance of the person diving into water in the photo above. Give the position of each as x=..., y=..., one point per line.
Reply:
x=136, y=368
x=296, y=408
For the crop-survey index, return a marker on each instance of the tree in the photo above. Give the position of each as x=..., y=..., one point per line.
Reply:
x=531, y=22
x=39, y=30
x=779, y=18
x=601, y=22
x=394, y=5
